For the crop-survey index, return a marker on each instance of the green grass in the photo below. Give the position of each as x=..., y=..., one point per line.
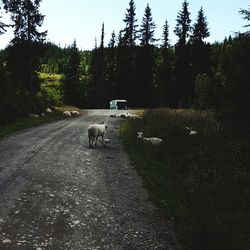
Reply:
x=32, y=122
x=25, y=123
x=202, y=181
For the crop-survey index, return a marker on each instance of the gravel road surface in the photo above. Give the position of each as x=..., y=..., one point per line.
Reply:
x=56, y=193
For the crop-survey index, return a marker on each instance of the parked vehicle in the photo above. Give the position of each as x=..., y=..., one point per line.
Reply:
x=118, y=104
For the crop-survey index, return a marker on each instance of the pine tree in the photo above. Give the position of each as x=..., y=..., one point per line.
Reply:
x=97, y=72
x=165, y=36
x=200, y=51
x=145, y=64
x=200, y=28
x=162, y=91
x=111, y=66
x=25, y=49
x=182, y=29
x=102, y=37
x=130, y=32
x=147, y=28
x=72, y=77
x=165, y=42
x=126, y=54
x=26, y=18
x=246, y=16
x=112, y=40
x=183, y=75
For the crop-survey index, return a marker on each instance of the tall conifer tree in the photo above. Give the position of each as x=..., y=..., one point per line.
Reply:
x=184, y=87
x=183, y=28
x=147, y=28
x=199, y=49
x=126, y=54
x=163, y=92
x=25, y=49
x=72, y=77
x=130, y=32
x=145, y=61
x=26, y=18
x=246, y=16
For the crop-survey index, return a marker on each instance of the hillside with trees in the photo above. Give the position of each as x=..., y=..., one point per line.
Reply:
x=135, y=65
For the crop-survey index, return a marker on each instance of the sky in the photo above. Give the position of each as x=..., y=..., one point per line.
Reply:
x=82, y=19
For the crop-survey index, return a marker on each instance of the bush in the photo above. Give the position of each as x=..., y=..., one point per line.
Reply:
x=51, y=90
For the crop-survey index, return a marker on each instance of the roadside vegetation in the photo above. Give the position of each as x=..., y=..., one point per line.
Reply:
x=201, y=181
x=15, y=114
x=29, y=122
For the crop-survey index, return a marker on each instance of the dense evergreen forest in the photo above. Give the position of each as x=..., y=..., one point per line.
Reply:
x=135, y=65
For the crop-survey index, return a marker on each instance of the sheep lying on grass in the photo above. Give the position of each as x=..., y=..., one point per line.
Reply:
x=94, y=131
x=49, y=111
x=190, y=131
x=71, y=113
x=74, y=113
x=66, y=114
x=152, y=140
x=126, y=116
x=33, y=115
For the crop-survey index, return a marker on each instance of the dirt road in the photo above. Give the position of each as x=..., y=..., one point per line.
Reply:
x=56, y=193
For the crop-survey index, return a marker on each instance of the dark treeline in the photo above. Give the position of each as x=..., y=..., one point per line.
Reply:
x=135, y=65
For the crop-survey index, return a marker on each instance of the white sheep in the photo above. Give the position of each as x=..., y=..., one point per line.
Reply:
x=66, y=114
x=152, y=140
x=49, y=111
x=33, y=115
x=191, y=132
x=74, y=113
x=128, y=115
x=134, y=116
x=94, y=131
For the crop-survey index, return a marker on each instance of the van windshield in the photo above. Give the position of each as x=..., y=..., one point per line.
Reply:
x=122, y=105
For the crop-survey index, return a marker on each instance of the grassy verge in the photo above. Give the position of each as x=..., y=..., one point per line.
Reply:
x=202, y=181
x=32, y=122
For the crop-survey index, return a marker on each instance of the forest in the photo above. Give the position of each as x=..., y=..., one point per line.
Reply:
x=135, y=65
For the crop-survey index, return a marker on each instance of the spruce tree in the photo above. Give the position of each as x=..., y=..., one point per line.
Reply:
x=102, y=37
x=26, y=18
x=126, y=54
x=200, y=51
x=165, y=41
x=147, y=28
x=130, y=32
x=111, y=66
x=25, y=49
x=183, y=28
x=200, y=28
x=165, y=36
x=97, y=72
x=183, y=75
x=72, y=77
x=246, y=16
x=162, y=91
x=145, y=61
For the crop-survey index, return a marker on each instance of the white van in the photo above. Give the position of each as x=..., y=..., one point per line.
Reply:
x=118, y=104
